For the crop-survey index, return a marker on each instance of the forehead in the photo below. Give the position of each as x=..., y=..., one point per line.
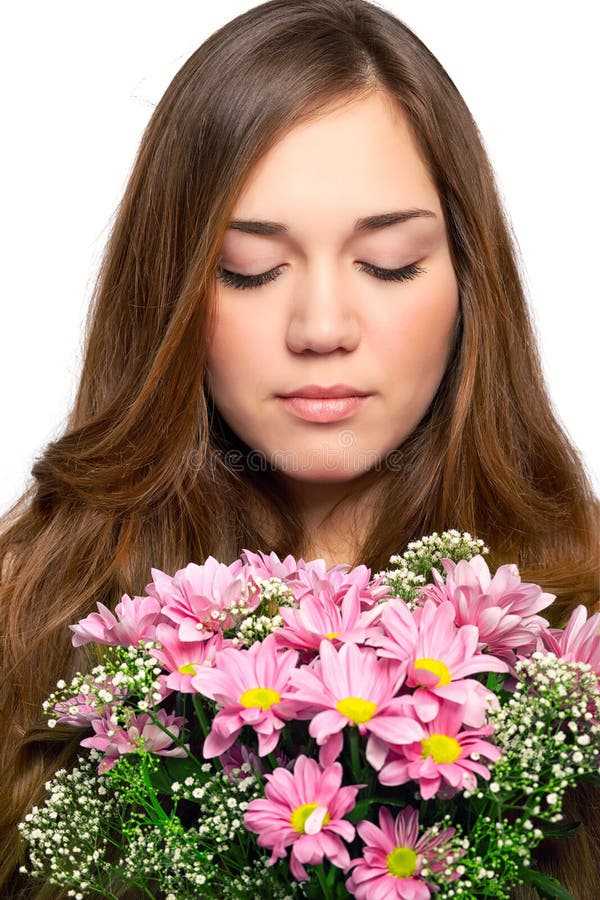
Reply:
x=327, y=172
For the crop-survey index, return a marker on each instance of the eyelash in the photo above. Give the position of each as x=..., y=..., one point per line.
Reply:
x=242, y=282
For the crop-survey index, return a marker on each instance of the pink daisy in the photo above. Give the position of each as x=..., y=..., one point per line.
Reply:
x=197, y=598
x=237, y=756
x=140, y=734
x=395, y=856
x=351, y=686
x=304, y=808
x=82, y=709
x=443, y=757
x=439, y=656
x=579, y=641
x=270, y=566
x=316, y=579
x=133, y=620
x=249, y=686
x=503, y=608
x=240, y=755
x=299, y=575
x=79, y=711
x=319, y=617
x=182, y=659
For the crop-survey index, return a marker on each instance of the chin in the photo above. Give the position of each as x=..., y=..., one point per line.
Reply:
x=314, y=475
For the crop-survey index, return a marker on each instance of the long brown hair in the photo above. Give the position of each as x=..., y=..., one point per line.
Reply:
x=142, y=475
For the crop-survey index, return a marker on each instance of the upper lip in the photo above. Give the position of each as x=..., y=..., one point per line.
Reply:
x=317, y=390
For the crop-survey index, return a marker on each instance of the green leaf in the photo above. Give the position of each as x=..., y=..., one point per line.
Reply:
x=558, y=829
x=359, y=812
x=591, y=778
x=545, y=884
x=495, y=680
x=170, y=770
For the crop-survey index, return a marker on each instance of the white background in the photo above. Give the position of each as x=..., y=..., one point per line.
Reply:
x=78, y=83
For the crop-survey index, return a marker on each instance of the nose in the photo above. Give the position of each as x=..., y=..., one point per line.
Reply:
x=323, y=316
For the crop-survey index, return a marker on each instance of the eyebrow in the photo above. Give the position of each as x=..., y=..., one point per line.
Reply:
x=366, y=224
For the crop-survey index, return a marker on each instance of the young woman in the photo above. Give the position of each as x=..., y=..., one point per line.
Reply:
x=311, y=204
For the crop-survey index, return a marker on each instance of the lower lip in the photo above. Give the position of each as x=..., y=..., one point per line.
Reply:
x=324, y=409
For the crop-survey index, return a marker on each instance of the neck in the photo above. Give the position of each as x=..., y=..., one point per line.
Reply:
x=334, y=535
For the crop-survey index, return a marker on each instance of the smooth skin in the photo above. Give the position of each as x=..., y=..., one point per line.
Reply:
x=324, y=319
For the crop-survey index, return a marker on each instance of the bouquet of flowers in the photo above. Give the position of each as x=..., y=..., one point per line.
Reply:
x=278, y=729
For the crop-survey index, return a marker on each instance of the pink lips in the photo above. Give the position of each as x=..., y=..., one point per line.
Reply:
x=324, y=404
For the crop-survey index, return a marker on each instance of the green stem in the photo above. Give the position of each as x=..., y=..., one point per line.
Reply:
x=176, y=740
x=198, y=707
x=332, y=876
x=323, y=881
x=354, y=753
x=151, y=794
x=136, y=884
x=388, y=801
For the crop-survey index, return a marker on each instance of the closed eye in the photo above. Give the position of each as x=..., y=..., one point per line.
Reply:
x=243, y=282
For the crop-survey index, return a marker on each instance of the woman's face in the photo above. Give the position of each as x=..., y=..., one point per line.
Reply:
x=324, y=317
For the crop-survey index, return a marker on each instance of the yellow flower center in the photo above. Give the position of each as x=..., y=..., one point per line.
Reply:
x=263, y=697
x=332, y=635
x=301, y=814
x=188, y=668
x=401, y=862
x=356, y=709
x=437, y=667
x=442, y=747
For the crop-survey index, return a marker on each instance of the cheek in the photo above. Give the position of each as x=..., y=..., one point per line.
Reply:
x=416, y=339
x=238, y=350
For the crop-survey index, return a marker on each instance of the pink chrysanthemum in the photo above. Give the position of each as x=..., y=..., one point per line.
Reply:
x=237, y=756
x=305, y=809
x=240, y=760
x=270, y=566
x=197, y=598
x=79, y=711
x=299, y=575
x=316, y=579
x=249, y=686
x=82, y=709
x=133, y=620
x=579, y=641
x=503, y=608
x=439, y=656
x=319, y=617
x=443, y=757
x=351, y=686
x=141, y=733
x=395, y=856
x=182, y=659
